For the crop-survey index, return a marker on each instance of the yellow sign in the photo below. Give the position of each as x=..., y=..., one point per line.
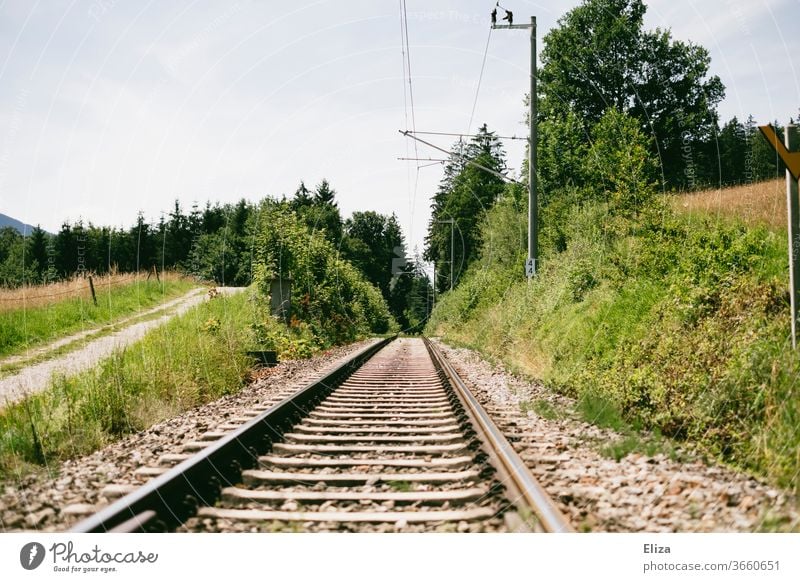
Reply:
x=791, y=159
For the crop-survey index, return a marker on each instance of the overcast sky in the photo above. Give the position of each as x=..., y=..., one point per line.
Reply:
x=110, y=107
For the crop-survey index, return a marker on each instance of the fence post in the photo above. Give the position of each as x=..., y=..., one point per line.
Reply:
x=91, y=286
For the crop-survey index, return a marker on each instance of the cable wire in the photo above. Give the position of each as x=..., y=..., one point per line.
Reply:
x=480, y=78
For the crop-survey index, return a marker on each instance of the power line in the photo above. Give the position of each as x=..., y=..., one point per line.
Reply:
x=463, y=158
x=467, y=135
x=404, y=29
x=407, y=69
x=403, y=53
x=480, y=78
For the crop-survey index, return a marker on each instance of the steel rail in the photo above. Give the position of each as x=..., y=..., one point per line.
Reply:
x=523, y=488
x=167, y=501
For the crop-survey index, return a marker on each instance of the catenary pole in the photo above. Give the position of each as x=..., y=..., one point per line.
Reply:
x=533, y=210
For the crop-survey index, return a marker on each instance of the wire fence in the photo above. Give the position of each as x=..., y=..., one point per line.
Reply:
x=77, y=287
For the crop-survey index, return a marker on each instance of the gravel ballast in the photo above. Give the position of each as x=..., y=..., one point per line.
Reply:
x=81, y=486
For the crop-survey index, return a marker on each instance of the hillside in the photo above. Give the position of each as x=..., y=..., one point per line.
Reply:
x=678, y=325
x=22, y=228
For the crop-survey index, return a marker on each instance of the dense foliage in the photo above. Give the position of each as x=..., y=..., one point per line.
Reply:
x=329, y=294
x=600, y=57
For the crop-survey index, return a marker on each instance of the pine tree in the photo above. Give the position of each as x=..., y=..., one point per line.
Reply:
x=465, y=193
x=37, y=250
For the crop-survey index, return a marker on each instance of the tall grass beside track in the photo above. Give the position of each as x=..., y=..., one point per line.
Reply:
x=681, y=327
x=190, y=360
x=33, y=316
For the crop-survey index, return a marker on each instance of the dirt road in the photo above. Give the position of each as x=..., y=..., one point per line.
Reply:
x=37, y=377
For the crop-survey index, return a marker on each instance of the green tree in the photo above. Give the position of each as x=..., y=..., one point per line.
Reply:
x=15, y=268
x=619, y=160
x=600, y=56
x=373, y=242
x=764, y=161
x=465, y=193
x=732, y=147
x=302, y=197
x=321, y=212
x=37, y=251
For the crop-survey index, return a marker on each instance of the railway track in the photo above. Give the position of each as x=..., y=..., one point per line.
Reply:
x=390, y=440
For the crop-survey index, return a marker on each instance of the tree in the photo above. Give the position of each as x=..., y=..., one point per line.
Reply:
x=37, y=250
x=600, y=56
x=66, y=250
x=732, y=143
x=321, y=213
x=764, y=160
x=464, y=195
x=15, y=268
x=144, y=245
x=302, y=197
x=624, y=174
x=324, y=194
x=373, y=242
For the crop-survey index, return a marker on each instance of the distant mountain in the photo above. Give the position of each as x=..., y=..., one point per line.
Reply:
x=14, y=223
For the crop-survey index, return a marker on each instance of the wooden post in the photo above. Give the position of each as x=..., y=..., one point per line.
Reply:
x=91, y=286
x=789, y=152
x=792, y=142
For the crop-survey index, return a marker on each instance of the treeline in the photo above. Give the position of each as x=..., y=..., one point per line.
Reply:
x=217, y=243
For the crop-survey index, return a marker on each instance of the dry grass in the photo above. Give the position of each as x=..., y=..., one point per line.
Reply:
x=762, y=203
x=78, y=287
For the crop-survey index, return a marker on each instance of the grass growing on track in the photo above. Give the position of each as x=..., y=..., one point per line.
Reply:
x=190, y=360
x=25, y=328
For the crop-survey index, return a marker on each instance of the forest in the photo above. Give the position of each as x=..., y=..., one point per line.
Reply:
x=218, y=243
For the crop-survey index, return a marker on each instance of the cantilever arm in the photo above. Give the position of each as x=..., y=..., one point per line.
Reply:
x=791, y=159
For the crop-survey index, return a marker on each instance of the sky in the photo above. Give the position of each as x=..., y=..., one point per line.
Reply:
x=112, y=107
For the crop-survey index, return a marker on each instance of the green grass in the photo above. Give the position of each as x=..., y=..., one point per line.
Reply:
x=679, y=328
x=190, y=360
x=23, y=329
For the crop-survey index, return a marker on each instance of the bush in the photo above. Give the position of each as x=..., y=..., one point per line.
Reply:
x=330, y=295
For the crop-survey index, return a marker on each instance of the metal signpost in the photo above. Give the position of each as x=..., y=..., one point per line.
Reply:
x=533, y=244
x=790, y=154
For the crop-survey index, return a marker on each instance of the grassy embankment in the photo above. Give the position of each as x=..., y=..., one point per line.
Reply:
x=680, y=327
x=34, y=316
x=192, y=359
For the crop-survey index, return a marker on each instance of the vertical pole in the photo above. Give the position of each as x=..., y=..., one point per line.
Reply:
x=533, y=210
x=792, y=142
x=434, y=284
x=452, y=238
x=91, y=286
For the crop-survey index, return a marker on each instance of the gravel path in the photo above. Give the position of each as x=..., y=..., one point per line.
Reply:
x=637, y=494
x=37, y=376
x=80, y=486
